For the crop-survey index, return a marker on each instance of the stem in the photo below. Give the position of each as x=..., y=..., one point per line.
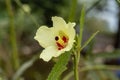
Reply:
x=76, y=66
x=72, y=11
x=13, y=42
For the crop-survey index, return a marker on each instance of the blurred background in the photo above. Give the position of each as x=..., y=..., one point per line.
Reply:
x=19, y=51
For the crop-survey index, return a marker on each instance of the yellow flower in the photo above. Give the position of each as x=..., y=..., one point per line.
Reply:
x=57, y=39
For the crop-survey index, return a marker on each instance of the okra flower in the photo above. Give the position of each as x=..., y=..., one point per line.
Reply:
x=57, y=39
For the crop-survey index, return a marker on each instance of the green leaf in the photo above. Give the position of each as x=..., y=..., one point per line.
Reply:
x=118, y=1
x=24, y=67
x=81, y=26
x=108, y=55
x=59, y=67
x=90, y=39
x=90, y=48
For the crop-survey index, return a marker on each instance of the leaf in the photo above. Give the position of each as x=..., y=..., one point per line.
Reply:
x=24, y=67
x=59, y=67
x=90, y=39
x=108, y=55
x=118, y=1
x=90, y=48
x=81, y=26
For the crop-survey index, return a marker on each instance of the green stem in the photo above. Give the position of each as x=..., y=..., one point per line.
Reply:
x=13, y=42
x=76, y=67
x=77, y=55
x=72, y=11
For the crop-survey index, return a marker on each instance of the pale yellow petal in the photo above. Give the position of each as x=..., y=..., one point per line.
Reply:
x=59, y=22
x=71, y=24
x=48, y=53
x=45, y=36
x=71, y=31
x=59, y=52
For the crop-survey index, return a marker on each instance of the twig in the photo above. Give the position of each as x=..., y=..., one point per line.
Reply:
x=20, y=5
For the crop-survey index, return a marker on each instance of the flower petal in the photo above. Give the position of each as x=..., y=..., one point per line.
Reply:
x=45, y=36
x=70, y=31
x=71, y=24
x=48, y=53
x=58, y=22
x=59, y=52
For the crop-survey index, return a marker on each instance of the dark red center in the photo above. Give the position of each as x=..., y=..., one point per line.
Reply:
x=63, y=44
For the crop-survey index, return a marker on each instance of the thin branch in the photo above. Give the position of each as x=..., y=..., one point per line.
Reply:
x=33, y=19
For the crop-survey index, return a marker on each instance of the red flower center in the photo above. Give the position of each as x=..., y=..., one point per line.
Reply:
x=61, y=42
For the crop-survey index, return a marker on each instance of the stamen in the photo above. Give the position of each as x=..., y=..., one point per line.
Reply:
x=61, y=40
x=64, y=39
x=56, y=38
x=59, y=45
x=59, y=48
